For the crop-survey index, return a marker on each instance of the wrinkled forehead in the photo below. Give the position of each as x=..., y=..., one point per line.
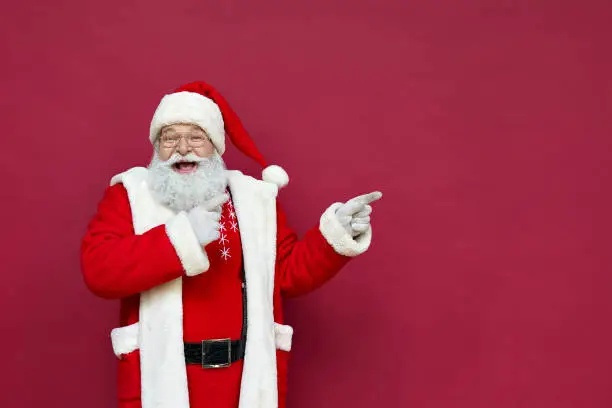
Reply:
x=180, y=127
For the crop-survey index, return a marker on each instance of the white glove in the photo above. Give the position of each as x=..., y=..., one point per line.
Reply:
x=205, y=218
x=354, y=215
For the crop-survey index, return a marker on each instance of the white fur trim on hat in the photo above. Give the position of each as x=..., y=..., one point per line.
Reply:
x=192, y=108
x=276, y=175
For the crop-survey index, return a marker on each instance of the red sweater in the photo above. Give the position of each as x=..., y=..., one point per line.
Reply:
x=117, y=264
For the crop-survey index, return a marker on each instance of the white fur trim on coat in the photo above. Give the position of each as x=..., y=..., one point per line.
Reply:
x=193, y=257
x=335, y=234
x=283, y=335
x=255, y=205
x=125, y=339
x=192, y=108
x=161, y=310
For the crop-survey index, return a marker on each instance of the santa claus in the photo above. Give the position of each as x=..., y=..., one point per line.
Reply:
x=200, y=258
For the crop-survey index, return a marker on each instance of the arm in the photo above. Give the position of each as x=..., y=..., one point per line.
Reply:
x=116, y=263
x=305, y=265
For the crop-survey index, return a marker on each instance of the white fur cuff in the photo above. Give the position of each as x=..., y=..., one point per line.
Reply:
x=335, y=234
x=193, y=257
x=125, y=339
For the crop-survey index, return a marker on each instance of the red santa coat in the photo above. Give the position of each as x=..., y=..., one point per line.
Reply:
x=139, y=251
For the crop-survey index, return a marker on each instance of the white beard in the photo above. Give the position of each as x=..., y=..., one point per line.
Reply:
x=182, y=192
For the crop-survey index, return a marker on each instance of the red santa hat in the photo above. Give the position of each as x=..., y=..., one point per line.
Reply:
x=200, y=104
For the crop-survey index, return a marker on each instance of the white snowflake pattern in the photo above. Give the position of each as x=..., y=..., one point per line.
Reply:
x=222, y=227
x=232, y=214
x=234, y=226
x=225, y=253
x=223, y=240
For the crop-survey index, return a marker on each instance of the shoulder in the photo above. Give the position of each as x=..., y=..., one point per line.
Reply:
x=135, y=174
x=249, y=185
x=116, y=193
x=115, y=196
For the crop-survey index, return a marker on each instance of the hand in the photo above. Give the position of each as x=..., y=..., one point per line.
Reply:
x=354, y=215
x=205, y=218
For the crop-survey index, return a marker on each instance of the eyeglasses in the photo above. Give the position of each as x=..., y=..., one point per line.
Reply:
x=196, y=139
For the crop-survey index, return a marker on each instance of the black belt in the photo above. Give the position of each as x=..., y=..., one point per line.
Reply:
x=214, y=353
x=220, y=352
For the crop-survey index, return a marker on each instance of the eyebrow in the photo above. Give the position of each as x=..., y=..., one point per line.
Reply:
x=193, y=127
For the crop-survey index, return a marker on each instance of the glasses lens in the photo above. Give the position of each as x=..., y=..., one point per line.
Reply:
x=170, y=141
x=197, y=140
x=194, y=140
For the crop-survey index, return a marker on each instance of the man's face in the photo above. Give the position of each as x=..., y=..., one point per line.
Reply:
x=184, y=139
x=185, y=170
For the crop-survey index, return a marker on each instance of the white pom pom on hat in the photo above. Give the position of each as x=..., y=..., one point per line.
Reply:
x=276, y=175
x=200, y=104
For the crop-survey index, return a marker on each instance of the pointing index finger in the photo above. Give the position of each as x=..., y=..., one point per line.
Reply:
x=357, y=204
x=370, y=197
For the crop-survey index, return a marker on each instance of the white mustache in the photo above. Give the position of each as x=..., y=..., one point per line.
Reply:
x=191, y=157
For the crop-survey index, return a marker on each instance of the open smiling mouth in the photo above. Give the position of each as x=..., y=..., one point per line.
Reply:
x=185, y=167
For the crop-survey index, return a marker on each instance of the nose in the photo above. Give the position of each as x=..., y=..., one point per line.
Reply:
x=183, y=147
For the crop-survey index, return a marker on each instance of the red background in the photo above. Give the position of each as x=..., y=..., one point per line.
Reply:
x=485, y=123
